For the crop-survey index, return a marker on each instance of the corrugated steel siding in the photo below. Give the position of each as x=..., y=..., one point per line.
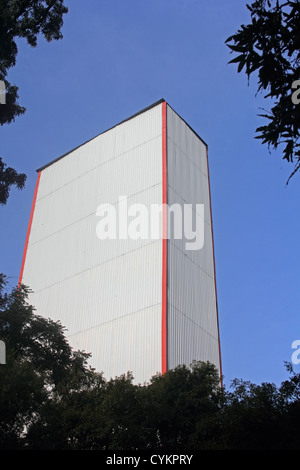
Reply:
x=192, y=310
x=107, y=293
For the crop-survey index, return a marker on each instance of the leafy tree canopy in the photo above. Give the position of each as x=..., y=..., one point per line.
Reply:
x=39, y=364
x=28, y=20
x=269, y=46
x=50, y=399
x=9, y=177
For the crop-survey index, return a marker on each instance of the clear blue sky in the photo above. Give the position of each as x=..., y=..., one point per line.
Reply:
x=120, y=56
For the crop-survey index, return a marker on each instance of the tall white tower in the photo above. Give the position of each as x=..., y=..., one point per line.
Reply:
x=135, y=300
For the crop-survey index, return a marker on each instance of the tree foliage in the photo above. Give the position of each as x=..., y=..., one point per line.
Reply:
x=40, y=364
x=50, y=399
x=22, y=20
x=9, y=177
x=269, y=46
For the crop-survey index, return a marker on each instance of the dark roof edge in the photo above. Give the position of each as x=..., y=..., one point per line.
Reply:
x=107, y=130
x=197, y=135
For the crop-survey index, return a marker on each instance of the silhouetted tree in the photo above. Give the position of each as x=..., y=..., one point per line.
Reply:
x=50, y=399
x=27, y=19
x=269, y=48
x=40, y=364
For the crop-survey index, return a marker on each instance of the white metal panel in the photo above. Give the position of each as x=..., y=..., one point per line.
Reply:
x=202, y=257
x=111, y=144
x=105, y=292
x=108, y=293
x=188, y=341
x=193, y=294
x=126, y=344
x=185, y=177
x=192, y=311
x=124, y=175
x=90, y=284
x=186, y=140
x=83, y=249
x=78, y=162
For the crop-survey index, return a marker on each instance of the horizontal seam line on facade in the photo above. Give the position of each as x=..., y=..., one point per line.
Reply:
x=192, y=321
x=185, y=202
x=114, y=319
x=148, y=108
x=114, y=204
x=98, y=166
x=190, y=127
x=97, y=265
x=91, y=214
x=192, y=261
x=187, y=156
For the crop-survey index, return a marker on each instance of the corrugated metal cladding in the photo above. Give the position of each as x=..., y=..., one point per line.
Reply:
x=192, y=307
x=107, y=293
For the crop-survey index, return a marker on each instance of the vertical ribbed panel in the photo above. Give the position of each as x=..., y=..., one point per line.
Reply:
x=107, y=293
x=136, y=305
x=192, y=310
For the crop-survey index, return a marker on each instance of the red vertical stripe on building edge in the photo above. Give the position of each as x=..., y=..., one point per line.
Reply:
x=29, y=227
x=164, y=241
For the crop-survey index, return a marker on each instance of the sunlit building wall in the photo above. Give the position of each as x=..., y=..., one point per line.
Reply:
x=145, y=303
